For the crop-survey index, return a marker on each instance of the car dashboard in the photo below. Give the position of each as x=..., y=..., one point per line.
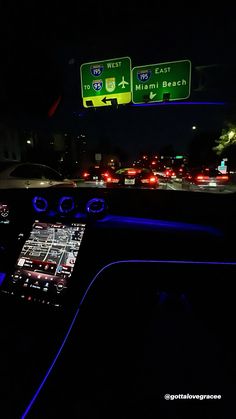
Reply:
x=71, y=259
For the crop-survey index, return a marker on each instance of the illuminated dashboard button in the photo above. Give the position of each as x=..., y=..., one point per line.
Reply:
x=60, y=286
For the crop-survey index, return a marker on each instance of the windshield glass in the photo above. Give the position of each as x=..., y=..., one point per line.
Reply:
x=95, y=95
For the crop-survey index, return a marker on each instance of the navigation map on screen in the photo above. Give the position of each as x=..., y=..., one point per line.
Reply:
x=47, y=260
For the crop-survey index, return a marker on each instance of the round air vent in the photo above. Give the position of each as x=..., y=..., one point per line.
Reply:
x=66, y=204
x=96, y=207
x=40, y=204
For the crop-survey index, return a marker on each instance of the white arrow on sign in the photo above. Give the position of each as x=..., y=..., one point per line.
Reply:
x=152, y=95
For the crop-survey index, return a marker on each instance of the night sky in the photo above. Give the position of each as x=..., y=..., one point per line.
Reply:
x=43, y=46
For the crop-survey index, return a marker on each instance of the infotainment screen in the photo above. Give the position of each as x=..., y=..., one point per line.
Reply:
x=46, y=262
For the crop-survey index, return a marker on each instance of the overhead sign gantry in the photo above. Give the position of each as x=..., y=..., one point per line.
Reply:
x=106, y=83
x=161, y=82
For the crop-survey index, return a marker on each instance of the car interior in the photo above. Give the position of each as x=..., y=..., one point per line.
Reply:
x=113, y=299
x=117, y=210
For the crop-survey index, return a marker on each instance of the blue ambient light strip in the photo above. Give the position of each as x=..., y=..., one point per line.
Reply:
x=153, y=223
x=2, y=277
x=176, y=103
x=27, y=410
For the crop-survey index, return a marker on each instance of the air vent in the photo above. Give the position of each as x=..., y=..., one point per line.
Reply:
x=40, y=204
x=96, y=206
x=66, y=204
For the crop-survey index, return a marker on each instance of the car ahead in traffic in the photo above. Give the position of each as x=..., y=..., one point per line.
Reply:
x=31, y=175
x=169, y=173
x=133, y=177
x=205, y=179
x=166, y=175
x=97, y=174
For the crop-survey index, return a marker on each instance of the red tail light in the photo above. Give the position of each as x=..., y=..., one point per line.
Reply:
x=85, y=174
x=224, y=177
x=153, y=179
x=201, y=177
x=112, y=180
x=131, y=172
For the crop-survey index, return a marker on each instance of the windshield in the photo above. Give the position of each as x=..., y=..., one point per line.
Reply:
x=95, y=94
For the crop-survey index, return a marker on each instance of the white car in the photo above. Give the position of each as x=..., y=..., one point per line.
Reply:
x=31, y=175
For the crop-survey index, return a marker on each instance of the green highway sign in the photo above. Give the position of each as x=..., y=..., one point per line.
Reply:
x=105, y=83
x=161, y=82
